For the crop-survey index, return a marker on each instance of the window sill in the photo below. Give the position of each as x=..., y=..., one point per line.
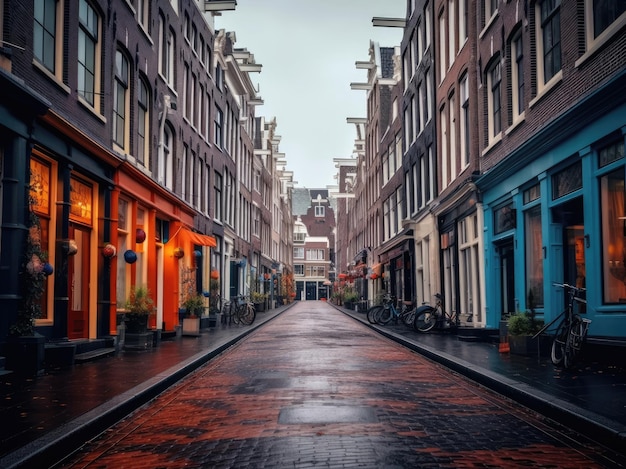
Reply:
x=53, y=78
x=516, y=123
x=556, y=79
x=492, y=144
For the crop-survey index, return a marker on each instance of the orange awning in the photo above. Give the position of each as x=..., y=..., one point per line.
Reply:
x=200, y=239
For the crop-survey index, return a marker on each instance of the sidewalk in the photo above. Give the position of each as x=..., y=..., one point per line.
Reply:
x=51, y=414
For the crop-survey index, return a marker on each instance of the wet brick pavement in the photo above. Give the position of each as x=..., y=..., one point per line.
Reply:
x=314, y=388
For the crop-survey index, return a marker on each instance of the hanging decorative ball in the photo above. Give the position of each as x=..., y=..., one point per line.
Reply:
x=109, y=251
x=215, y=274
x=178, y=253
x=197, y=253
x=48, y=269
x=140, y=236
x=130, y=256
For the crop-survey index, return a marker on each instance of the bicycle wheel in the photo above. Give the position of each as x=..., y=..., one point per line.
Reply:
x=408, y=317
x=558, y=344
x=385, y=316
x=237, y=314
x=573, y=342
x=372, y=313
x=248, y=314
x=425, y=319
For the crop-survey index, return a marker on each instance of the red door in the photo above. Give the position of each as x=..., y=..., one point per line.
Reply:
x=78, y=281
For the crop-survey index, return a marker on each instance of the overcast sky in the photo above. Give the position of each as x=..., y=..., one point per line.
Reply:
x=308, y=50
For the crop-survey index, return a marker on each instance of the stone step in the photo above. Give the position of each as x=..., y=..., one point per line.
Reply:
x=94, y=354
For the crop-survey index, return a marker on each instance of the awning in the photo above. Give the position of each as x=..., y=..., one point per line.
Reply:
x=200, y=239
x=377, y=269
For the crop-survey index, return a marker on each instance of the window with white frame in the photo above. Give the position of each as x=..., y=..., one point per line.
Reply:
x=603, y=19
x=298, y=252
x=219, y=128
x=121, y=102
x=217, y=199
x=464, y=126
x=89, y=54
x=517, y=77
x=463, y=9
x=316, y=271
x=442, y=47
x=315, y=254
x=143, y=123
x=165, y=165
x=469, y=267
x=143, y=14
x=48, y=36
x=320, y=211
x=548, y=27
x=452, y=130
x=451, y=33
x=494, y=79
x=443, y=125
x=298, y=270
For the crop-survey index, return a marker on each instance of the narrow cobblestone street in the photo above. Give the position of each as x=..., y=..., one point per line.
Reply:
x=314, y=388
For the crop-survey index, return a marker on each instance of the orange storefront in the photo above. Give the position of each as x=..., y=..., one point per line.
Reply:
x=154, y=246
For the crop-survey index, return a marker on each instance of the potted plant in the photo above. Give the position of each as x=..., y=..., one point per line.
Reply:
x=349, y=298
x=259, y=300
x=521, y=329
x=139, y=306
x=193, y=306
x=25, y=348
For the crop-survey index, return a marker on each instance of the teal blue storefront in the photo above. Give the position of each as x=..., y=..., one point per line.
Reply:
x=555, y=213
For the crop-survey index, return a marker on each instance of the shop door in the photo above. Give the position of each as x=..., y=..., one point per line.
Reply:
x=311, y=290
x=570, y=216
x=78, y=284
x=507, y=278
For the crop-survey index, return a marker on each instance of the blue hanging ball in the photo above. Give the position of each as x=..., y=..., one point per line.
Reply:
x=197, y=253
x=130, y=256
x=48, y=269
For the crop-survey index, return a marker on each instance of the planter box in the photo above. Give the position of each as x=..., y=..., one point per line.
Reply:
x=138, y=341
x=526, y=345
x=60, y=355
x=259, y=307
x=191, y=326
x=25, y=355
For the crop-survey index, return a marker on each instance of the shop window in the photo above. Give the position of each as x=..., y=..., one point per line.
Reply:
x=613, y=225
x=504, y=219
x=534, y=254
x=567, y=181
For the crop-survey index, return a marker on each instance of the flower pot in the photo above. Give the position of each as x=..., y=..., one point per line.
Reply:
x=25, y=354
x=191, y=326
x=136, y=323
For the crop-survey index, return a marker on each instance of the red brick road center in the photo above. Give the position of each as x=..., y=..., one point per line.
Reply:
x=314, y=388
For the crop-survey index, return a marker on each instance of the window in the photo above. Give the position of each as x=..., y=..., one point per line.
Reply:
x=567, y=181
x=613, y=226
x=443, y=145
x=494, y=78
x=217, y=188
x=490, y=8
x=549, y=42
x=121, y=103
x=88, y=54
x=298, y=270
x=298, y=253
x=47, y=35
x=166, y=165
x=143, y=13
x=143, y=124
x=315, y=254
x=604, y=13
x=320, y=211
x=451, y=34
x=442, y=47
x=465, y=121
x=167, y=47
x=219, y=128
x=517, y=76
x=462, y=22
x=534, y=254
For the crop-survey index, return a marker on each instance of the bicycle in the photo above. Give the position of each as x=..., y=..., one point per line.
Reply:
x=571, y=332
x=427, y=317
x=385, y=313
x=390, y=313
x=238, y=311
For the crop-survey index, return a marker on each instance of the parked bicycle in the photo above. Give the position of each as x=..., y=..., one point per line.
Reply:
x=427, y=317
x=571, y=332
x=387, y=312
x=239, y=310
